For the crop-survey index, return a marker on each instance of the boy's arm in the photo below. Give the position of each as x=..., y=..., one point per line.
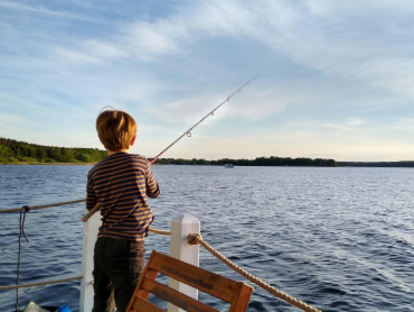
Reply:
x=153, y=188
x=91, y=198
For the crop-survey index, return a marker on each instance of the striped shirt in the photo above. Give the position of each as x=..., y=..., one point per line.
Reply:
x=121, y=183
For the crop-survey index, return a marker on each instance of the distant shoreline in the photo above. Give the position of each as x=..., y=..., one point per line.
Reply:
x=339, y=164
x=379, y=164
x=47, y=164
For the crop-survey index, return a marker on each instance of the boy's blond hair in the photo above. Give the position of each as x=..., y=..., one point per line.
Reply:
x=116, y=129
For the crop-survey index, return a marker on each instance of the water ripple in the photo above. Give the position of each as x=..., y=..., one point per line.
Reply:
x=340, y=239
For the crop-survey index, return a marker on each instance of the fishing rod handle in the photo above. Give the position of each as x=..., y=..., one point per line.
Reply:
x=88, y=215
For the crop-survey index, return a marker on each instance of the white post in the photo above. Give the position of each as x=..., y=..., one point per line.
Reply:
x=90, y=234
x=179, y=248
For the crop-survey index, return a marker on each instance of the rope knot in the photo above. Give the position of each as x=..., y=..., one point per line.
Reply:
x=194, y=238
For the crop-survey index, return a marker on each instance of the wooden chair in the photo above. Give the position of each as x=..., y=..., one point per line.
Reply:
x=236, y=293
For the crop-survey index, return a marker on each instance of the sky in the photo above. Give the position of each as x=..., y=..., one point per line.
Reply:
x=336, y=77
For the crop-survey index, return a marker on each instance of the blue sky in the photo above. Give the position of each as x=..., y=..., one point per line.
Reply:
x=336, y=78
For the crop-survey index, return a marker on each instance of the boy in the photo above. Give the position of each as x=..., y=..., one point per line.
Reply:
x=120, y=183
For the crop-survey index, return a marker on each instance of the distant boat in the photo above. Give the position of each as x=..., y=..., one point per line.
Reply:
x=228, y=166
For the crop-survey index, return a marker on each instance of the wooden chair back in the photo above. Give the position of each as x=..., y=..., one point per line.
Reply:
x=237, y=294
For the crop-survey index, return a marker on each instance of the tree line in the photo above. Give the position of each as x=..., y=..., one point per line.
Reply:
x=401, y=164
x=12, y=151
x=259, y=161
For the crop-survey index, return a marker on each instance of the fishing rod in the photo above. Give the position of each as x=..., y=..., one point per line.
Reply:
x=188, y=133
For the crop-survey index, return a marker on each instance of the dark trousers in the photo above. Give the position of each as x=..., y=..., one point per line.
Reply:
x=117, y=267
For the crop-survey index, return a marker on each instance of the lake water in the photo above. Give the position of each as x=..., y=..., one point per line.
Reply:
x=340, y=239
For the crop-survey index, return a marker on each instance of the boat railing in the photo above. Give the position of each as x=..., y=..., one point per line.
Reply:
x=185, y=239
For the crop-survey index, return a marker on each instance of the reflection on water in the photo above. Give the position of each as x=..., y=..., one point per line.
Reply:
x=340, y=239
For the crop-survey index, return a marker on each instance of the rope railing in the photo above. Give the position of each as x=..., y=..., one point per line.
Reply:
x=41, y=283
x=195, y=238
x=155, y=231
x=42, y=206
x=159, y=232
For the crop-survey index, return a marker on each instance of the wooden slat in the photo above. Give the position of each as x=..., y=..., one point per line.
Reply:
x=176, y=298
x=149, y=273
x=142, y=305
x=142, y=293
x=236, y=293
x=242, y=301
x=208, y=282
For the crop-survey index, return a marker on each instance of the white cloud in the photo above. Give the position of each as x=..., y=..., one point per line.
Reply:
x=313, y=144
x=146, y=40
x=403, y=125
x=14, y=101
x=187, y=111
x=341, y=40
x=257, y=104
x=39, y=9
x=350, y=124
x=72, y=56
x=354, y=122
x=104, y=50
x=341, y=48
